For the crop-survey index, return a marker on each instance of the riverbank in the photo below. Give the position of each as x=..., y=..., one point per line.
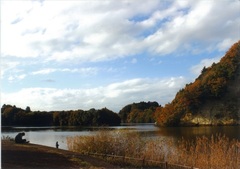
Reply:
x=29, y=156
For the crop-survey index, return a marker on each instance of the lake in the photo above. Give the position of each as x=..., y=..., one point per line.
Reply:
x=49, y=135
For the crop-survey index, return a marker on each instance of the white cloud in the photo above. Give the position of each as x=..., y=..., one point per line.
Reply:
x=226, y=43
x=44, y=71
x=69, y=30
x=85, y=71
x=86, y=31
x=14, y=78
x=199, y=24
x=196, y=69
x=113, y=96
x=7, y=66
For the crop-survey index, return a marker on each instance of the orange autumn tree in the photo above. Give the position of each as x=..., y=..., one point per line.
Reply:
x=211, y=84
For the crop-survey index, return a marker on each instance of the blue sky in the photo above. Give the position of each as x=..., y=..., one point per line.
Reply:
x=63, y=54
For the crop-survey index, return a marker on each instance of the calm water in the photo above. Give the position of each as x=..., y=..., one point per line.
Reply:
x=49, y=135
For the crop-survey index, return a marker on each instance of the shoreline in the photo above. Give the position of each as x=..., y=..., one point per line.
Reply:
x=31, y=156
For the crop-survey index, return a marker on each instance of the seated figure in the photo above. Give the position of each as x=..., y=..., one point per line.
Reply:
x=19, y=139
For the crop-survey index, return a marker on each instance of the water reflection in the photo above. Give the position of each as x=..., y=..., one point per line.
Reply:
x=50, y=135
x=232, y=132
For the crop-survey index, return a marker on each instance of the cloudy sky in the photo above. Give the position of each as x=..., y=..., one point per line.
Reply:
x=82, y=54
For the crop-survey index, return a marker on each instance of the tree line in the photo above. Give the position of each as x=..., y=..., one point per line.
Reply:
x=14, y=116
x=142, y=112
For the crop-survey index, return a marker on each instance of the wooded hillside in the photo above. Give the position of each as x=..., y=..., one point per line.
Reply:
x=212, y=99
x=142, y=112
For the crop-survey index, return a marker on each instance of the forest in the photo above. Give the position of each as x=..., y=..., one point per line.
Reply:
x=212, y=84
x=142, y=112
x=134, y=113
x=14, y=116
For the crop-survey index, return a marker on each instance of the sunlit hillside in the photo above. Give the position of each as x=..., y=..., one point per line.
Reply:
x=212, y=99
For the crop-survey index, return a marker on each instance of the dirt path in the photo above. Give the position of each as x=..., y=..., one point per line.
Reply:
x=32, y=156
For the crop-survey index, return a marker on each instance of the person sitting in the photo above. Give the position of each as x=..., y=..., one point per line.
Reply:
x=19, y=139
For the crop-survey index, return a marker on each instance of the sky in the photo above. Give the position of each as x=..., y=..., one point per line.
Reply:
x=82, y=54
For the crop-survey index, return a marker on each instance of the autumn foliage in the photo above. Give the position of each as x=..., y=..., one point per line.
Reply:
x=142, y=112
x=211, y=84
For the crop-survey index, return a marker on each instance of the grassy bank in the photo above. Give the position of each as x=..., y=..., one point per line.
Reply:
x=33, y=156
x=215, y=152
